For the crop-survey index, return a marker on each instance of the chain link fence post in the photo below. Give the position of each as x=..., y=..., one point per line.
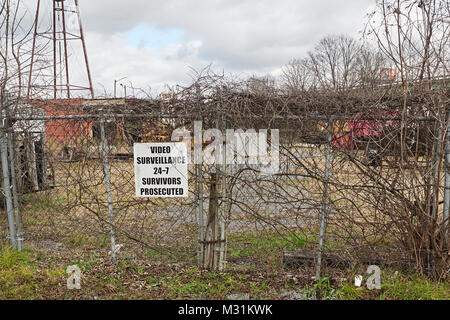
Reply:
x=323, y=213
x=12, y=164
x=5, y=171
x=108, y=186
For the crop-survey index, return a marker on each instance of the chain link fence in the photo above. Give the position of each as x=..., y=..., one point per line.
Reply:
x=357, y=180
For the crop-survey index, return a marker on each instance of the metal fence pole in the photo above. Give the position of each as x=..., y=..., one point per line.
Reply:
x=324, y=199
x=5, y=172
x=12, y=163
x=108, y=186
x=447, y=175
x=18, y=218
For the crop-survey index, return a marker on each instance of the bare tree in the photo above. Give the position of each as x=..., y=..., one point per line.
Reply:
x=15, y=46
x=336, y=62
x=297, y=75
x=405, y=195
x=333, y=62
x=414, y=36
x=369, y=64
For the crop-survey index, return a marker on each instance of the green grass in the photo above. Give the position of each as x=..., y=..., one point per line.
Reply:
x=40, y=202
x=194, y=283
x=266, y=244
x=34, y=274
x=16, y=275
x=10, y=258
x=396, y=286
x=77, y=239
x=322, y=289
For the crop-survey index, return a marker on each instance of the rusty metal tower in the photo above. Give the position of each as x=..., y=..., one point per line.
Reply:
x=64, y=13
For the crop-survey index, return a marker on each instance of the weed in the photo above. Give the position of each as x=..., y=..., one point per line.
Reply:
x=324, y=289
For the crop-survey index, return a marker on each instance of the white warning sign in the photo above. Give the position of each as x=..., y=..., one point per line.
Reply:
x=161, y=170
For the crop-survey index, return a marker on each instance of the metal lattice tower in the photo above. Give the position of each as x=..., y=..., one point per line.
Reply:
x=63, y=12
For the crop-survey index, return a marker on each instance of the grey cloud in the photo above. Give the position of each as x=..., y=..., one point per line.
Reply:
x=228, y=28
x=251, y=35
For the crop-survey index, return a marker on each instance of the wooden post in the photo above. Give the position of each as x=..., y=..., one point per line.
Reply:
x=201, y=218
x=212, y=226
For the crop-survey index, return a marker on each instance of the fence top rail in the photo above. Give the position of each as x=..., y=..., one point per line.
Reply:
x=191, y=116
x=98, y=116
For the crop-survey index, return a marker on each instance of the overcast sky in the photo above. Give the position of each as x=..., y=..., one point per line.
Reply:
x=154, y=43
